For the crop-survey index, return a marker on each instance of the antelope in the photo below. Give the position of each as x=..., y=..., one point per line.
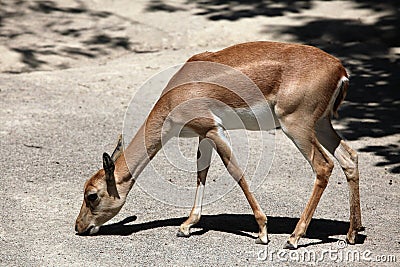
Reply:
x=298, y=89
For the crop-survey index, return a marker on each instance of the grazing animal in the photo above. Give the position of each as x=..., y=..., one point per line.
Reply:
x=300, y=86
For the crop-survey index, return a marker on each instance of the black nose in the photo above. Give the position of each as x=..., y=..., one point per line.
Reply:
x=76, y=228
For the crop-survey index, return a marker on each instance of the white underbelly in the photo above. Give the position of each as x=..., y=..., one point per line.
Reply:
x=259, y=118
x=255, y=119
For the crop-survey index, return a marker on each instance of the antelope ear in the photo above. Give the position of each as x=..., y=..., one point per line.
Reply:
x=109, y=167
x=118, y=149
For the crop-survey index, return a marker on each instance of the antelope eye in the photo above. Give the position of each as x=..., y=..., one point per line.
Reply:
x=92, y=197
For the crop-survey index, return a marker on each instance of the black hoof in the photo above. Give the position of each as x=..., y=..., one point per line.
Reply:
x=289, y=246
x=352, y=242
x=181, y=234
x=260, y=242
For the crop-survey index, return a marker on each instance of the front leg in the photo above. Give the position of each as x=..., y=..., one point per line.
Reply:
x=195, y=214
x=204, y=153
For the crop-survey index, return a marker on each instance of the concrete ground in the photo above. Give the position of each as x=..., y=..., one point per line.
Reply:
x=69, y=71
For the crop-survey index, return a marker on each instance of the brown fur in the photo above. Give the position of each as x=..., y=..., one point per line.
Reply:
x=298, y=82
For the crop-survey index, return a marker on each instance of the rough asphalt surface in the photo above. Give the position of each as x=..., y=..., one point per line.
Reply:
x=69, y=71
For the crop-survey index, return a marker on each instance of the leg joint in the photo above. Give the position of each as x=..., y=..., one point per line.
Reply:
x=324, y=169
x=260, y=216
x=354, y=156
x=322, y=181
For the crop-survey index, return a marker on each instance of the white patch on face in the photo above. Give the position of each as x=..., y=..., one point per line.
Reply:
x=94, y=230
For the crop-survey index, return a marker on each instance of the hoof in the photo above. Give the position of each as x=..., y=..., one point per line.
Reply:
x=262, y=242
x=289, y=245
x=182, y=234
x=351, y=238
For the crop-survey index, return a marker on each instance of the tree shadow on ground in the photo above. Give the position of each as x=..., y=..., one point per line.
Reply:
x=234, y=10
x=368, y=50
x=49, y=35
x=160, y=5
x=372, y=107
x=238, y=224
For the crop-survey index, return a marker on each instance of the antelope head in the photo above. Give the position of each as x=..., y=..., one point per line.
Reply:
x=101, y=199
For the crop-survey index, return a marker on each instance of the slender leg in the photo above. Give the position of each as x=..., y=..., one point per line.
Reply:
x=204, y=153
x=225, y=152
x=348, y=160
x=307, y=143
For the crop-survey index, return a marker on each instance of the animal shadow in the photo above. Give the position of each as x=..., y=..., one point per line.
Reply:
x=238, y=224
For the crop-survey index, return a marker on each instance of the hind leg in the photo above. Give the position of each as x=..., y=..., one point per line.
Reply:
x=348, y=160
x=304, y=138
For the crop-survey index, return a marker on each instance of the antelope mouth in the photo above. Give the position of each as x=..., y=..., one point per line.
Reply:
x=91, y=230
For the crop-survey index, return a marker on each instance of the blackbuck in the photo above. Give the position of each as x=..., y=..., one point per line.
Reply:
x=298, y=88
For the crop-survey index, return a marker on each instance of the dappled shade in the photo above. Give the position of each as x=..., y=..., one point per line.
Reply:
x=372, y=107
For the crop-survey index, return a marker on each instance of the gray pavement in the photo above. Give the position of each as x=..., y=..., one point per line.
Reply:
x=56, y=123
